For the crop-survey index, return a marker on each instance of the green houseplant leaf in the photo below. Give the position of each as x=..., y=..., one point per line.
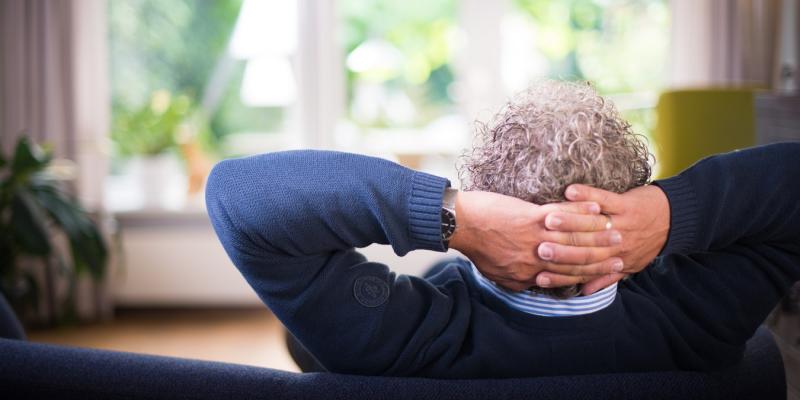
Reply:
x=28, y=225
x=32, y=206
x=28, y=158
x=86, y=244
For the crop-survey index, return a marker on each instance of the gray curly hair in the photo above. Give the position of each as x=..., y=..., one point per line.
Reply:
x=550, y=136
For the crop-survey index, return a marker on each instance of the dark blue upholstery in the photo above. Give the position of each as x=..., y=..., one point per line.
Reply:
x=32, y=370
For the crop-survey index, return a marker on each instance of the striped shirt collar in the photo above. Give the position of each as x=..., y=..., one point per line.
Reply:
x=546, y=306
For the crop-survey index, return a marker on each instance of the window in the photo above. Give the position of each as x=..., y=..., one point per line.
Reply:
x=619, y=45
x=398, y=79
x=190, y=78
x=398, y=61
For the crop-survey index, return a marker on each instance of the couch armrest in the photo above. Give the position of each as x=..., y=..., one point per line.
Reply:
x=47, y=371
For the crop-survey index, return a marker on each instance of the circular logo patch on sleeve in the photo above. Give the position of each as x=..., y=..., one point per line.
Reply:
x=370, y=291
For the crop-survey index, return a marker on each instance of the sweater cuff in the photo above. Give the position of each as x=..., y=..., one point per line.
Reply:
x=425, y=211
x=683, y=214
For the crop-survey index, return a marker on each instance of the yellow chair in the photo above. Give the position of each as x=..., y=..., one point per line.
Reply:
x=696, y=123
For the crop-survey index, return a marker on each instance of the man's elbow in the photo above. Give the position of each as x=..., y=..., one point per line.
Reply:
x=220, y=186
x=218, y=181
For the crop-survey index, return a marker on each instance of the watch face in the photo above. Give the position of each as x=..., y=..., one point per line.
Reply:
x=448, y=224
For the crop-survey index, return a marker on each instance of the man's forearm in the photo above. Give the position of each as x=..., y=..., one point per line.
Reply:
x=290, y=222
x=309, y=203
x=750, y=195
x=302, y=203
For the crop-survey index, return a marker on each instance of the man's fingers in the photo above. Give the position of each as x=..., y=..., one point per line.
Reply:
x=599, y=268
x=575, y=207
x=600, y=283
x=591, y=283
x=610, y=202
x=558, y=253
x=550, y=280
x=584, y=239
x=565, y=222
x=547, y=279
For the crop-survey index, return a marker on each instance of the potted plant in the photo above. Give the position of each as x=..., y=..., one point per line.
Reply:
x=148, y=137
x=33, y=211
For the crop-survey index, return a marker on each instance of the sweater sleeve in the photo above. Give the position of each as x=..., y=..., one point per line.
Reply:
x=290, y=221
x=747, y=196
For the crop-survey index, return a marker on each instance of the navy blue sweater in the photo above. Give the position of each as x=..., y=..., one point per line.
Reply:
x=291, y=222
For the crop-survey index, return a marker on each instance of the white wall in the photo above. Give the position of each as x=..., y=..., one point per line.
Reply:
x=177, y=260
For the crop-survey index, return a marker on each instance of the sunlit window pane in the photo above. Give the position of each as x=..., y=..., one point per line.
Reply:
x=192, y=81
x=621, y=46
x=398, y=61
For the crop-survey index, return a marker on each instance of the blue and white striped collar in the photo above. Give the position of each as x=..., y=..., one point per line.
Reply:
x=546, y=306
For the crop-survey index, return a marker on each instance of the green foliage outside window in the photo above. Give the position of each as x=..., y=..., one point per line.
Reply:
x=621, y=46
x=170, y=45
x=423, y=32
x=174, y=46
x=151, y=129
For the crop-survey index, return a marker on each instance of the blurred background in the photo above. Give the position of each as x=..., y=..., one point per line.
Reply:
x=125, y=105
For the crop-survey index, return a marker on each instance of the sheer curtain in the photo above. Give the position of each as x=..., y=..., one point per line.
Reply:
x=53, y=83
x=725, y=42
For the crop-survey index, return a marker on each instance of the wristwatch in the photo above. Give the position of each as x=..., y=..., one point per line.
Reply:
x=448, y=215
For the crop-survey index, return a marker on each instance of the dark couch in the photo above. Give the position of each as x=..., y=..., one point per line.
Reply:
x=32, y=370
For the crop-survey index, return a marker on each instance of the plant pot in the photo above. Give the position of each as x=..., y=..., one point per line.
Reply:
x=161, y=181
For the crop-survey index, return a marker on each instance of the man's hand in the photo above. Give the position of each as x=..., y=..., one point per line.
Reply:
x=642, y=215
x=501, y=234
